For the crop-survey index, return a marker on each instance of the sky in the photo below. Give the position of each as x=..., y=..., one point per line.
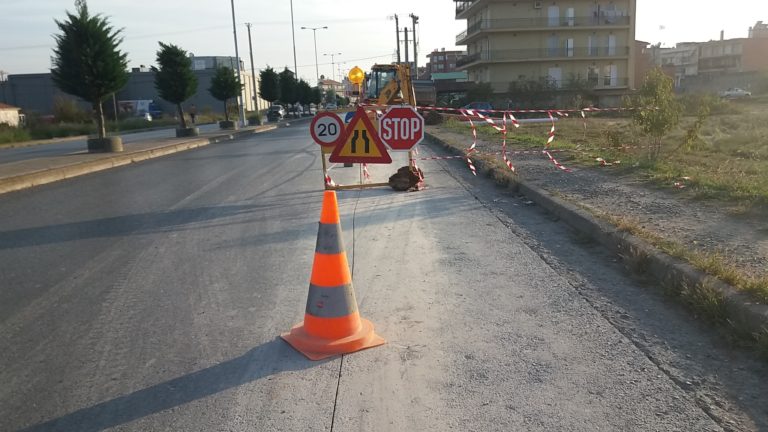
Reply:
x=361, y=31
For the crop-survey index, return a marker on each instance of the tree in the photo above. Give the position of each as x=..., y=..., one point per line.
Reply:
x=224, y=86
x=174, y=80
x=269, y=85
x=655, y=109
x=304, y=92
x=288, y=85
x=87, y=62
x=316, y=96
x=330, y=96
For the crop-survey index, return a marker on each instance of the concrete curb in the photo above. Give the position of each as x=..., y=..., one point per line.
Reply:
x=743, y=312
x=23, y=181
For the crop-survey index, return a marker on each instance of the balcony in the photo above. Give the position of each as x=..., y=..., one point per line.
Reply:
x=544, y=54
x=561, y=23
x=463, y=5
x=565, y=85
x=468, y=59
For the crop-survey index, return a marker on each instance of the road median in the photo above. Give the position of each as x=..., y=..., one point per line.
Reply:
x=26, y=174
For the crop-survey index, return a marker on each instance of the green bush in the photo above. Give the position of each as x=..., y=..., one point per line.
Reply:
x=10, y=134
x=66, y=110
x=48, y=131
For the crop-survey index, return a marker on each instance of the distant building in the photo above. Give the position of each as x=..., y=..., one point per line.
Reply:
x=214, y=62
x=327, y=85
x=759, y=31
x=37, y=92
x=733, y=56
x=9, y=115
x=682, y=61
x=441, y=61
x=587, y=40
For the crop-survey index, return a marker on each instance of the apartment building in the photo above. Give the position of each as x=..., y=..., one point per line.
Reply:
x=592, y=41
x=733, y=56
x=442, y=61
x=682, y=61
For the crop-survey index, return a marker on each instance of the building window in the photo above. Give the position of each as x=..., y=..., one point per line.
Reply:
x=440, y=66
x=553, y=43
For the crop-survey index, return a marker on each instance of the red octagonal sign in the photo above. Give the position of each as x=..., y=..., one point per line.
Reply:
x=401, y=128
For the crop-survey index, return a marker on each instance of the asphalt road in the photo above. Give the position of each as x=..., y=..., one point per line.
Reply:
x=8, y=155
x=150, y=297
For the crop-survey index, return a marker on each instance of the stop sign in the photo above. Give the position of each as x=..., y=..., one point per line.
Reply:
x=401, y=128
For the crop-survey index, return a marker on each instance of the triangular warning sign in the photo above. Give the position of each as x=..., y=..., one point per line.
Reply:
x=361, y=143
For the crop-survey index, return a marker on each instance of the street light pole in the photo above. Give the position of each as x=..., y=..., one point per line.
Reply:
x=314, y=35
x=239, y=72
x=333, y=64
x=253, y=68
x=293, y=34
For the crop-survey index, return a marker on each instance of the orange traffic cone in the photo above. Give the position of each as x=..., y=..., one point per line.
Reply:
x=332, y=324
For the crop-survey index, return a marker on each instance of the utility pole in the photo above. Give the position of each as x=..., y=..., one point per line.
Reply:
x=397, y=34
x=253, y=68
x=415, y=20
x=237, y=59
x=333, y=64
x=406, y=48
x=293, y=33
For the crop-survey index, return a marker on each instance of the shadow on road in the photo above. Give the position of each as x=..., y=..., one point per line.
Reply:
x=267, y=359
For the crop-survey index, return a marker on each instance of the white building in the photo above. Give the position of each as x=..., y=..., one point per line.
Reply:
x=9, y=115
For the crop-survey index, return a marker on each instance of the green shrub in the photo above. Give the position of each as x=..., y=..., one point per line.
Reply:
x=66, y=110
x=10, y=134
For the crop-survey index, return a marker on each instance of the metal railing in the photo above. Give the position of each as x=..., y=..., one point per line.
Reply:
x=461, y=36
x=544, y=53
x=471, y=58
x=564, y=85
x=530, y=23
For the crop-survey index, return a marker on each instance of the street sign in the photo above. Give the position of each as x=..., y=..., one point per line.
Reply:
x=401, y=127
x=327, y=129
x=361, y=143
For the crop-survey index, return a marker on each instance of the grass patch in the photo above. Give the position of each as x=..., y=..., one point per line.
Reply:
x=9, y=134
x=727, y=162
x=713, y=264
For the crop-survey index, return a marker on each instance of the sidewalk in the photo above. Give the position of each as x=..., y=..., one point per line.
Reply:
x=33, y=172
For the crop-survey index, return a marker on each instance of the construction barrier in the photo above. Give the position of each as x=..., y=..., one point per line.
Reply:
x=332, y=324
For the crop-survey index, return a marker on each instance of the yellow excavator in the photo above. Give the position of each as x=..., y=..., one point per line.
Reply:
x=390, y=84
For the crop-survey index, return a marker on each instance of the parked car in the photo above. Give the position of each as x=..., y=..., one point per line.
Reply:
x=309, y=110
x=295, y=110
x=331, y=107
x=735, y=93
x=275, y=113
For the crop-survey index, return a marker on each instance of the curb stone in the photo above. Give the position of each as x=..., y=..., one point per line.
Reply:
x=23, y=181
x=743, y=312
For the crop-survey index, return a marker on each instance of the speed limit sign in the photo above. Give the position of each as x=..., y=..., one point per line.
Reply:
x=327, y=129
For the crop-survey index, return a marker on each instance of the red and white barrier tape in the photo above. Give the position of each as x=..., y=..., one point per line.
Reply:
x=504, y=145
x=554, y=161
x=366, y=174
x=551, y=136
x=516, y=111
x=329, y=181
